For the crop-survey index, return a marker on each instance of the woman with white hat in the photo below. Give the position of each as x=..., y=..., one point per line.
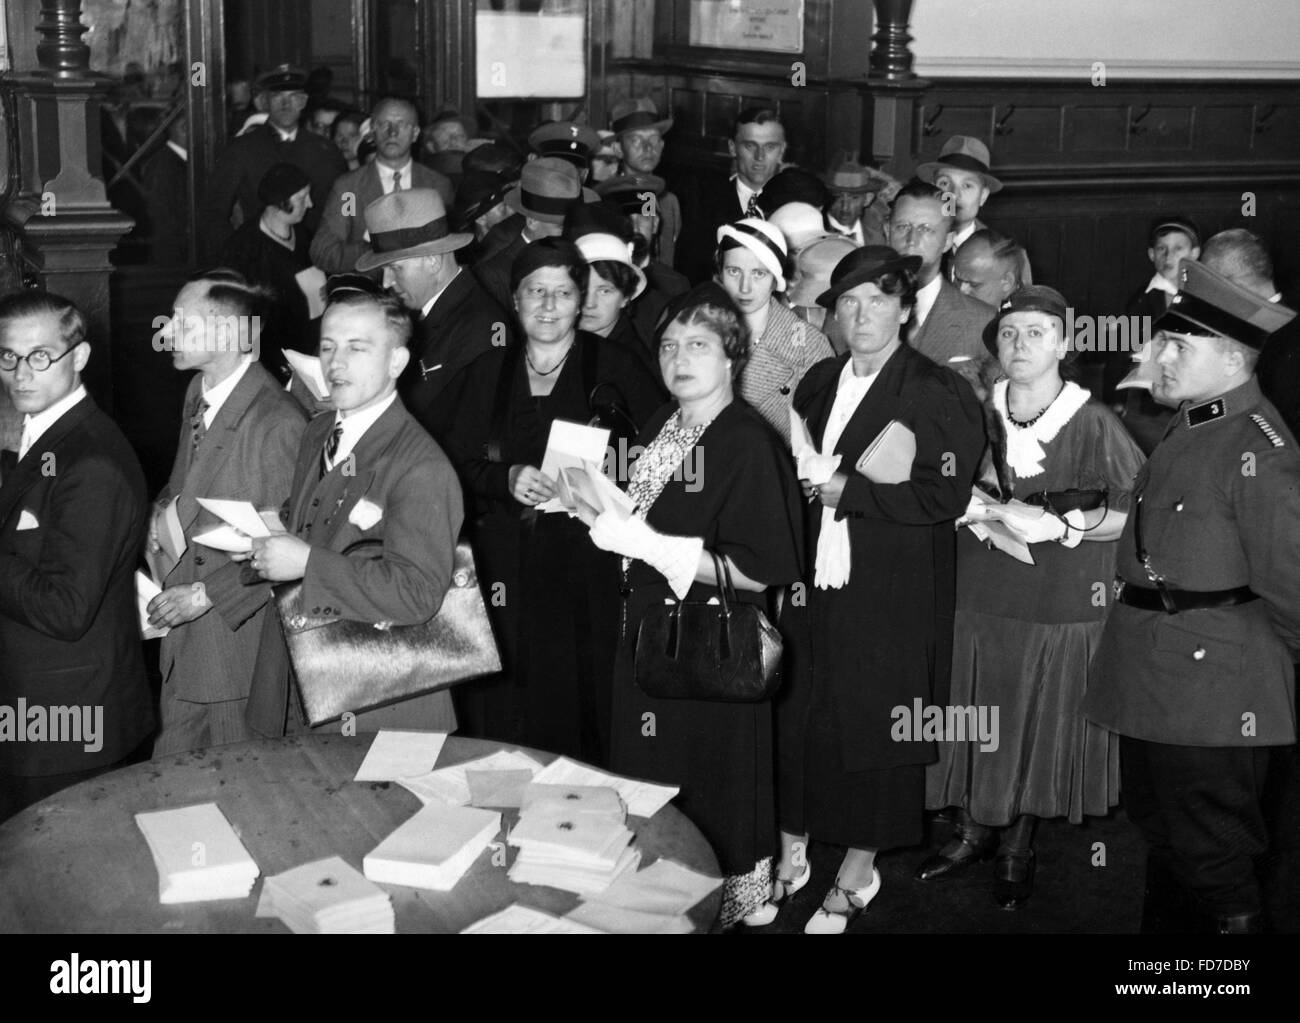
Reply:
x=751, y=267
x=614, y=283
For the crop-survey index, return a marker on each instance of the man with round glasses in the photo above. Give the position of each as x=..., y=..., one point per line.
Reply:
x=72, y=523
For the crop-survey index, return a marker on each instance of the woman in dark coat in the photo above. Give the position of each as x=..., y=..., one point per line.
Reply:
x=548, y=590
x=880, y=593
x=270, y=251
x=712, y=477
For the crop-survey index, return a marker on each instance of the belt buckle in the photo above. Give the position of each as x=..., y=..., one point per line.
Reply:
x=1117, y=587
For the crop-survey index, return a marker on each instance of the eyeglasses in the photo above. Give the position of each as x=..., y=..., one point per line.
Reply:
x=39, y=360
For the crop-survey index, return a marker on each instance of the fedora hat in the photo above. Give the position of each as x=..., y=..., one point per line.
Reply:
x=405, y=223
x=547, y=187
x=634, y=114
x=862, y=265
x=965, y=153
x=848, y=177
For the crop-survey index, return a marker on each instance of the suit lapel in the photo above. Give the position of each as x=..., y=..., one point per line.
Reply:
x=219, y=440
x=29, y=469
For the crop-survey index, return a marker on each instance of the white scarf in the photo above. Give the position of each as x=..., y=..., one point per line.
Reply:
x=833, y=553
x=1025, y=443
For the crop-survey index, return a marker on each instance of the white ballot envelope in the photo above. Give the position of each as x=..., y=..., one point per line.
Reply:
x=307, y=369
x=145, y=590
x=810, y=465
x=312, y=283
x=568, y=447
x=243, y=523
x=593, y=492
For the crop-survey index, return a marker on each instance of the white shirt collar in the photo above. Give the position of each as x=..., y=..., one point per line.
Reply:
x=854, y=232
x=430, y=304
x=386, y=175
x=285, y=136
x=1159, y=282
x=744, y=192
x=36, y=424
x=1276, y=298
x=216, y=396
x=963, y=234
x=925, y=299
x=355, y=426
x=182, y=153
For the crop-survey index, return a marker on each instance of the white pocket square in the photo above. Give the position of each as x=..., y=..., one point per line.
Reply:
x=365, y=514
x=27, y=521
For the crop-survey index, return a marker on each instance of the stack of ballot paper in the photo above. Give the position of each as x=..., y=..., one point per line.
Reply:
x=519, y=919
x=643, y=799
x=327, y=897
x=242, y=522
x=572, y=837
x=651, y=901
x=433, y=849
x=570, y=446
x=452, y=784
x=198, y=855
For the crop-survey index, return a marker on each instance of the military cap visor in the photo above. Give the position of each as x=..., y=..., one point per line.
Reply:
x=1209, y=304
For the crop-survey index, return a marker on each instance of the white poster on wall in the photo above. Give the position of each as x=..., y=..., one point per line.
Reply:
x=521, y=55
x=729, y=25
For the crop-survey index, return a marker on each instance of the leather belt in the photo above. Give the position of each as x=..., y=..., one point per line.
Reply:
x=1181, y=600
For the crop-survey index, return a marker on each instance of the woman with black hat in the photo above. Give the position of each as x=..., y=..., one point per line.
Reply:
x=1025, y=634
x=869, y=637
x=548, y=589
x=271, y=251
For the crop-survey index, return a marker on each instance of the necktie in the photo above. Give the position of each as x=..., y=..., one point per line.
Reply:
x=331, y=449
x=197, y=427
x=752, y=209
x=397, y=181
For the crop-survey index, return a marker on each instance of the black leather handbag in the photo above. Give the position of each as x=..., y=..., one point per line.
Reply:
x=342, y=665
x=695, y=650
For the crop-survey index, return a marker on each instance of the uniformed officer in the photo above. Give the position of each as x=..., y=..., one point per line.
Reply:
x=234, y=179
x=568, y=141
x=1195, y=665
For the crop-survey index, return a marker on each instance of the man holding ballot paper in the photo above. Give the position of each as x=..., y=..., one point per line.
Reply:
x=239, y=437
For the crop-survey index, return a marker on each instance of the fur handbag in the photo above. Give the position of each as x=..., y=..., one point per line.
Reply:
x=342, y=665
x=694, y=650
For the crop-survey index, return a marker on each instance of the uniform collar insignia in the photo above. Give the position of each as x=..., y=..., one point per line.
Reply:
x=1206, y=411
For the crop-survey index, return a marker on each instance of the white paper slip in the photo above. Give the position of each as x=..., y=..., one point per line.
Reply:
x=395, y=754
x=451, y=784
x=810, y=465
x=610, y=919
x=327, y=896
x=240, y=514
x=601, y=800
x=568, y=446
x=145, y=590
x=664, y=888
x=307, y=369
x=197, y=853
x=312, y=284
x=581, y=839
x=225, y=538
x=643, y=798
x=434, y=848
x=519, y=919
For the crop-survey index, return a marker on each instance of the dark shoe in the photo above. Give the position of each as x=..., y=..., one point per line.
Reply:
x=1013, y=880
x=956, y=856
x=1240, y=923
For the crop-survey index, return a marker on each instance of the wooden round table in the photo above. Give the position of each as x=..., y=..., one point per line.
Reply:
x=77, y=863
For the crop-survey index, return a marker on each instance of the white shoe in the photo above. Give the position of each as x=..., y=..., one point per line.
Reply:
x=767, y=912
x=828, y=921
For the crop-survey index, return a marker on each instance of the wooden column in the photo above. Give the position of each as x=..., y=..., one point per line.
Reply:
x=895, y=90
x=64, y=224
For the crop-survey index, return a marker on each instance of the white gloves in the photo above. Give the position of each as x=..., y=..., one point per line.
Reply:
x=676, y=558
x=1037, y=525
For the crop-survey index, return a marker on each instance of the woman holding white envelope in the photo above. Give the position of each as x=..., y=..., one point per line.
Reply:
x=873, y=632
x=550, y=593
x=1025, y=634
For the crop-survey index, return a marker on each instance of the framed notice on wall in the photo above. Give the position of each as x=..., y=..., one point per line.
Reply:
x=748, y=25
x=532, y=53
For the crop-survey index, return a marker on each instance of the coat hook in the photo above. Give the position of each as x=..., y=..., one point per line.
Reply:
x=1135, y=121
x=1261, y=124
x=1001, y=128
x=931, y=126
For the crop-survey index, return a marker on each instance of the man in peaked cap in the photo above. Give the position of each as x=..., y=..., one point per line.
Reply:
x=232, y=186
x=567, y=141
x=456, y=320
x=341, y=240
x=962, y=170
x=1195, y=664
x=640, y=132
